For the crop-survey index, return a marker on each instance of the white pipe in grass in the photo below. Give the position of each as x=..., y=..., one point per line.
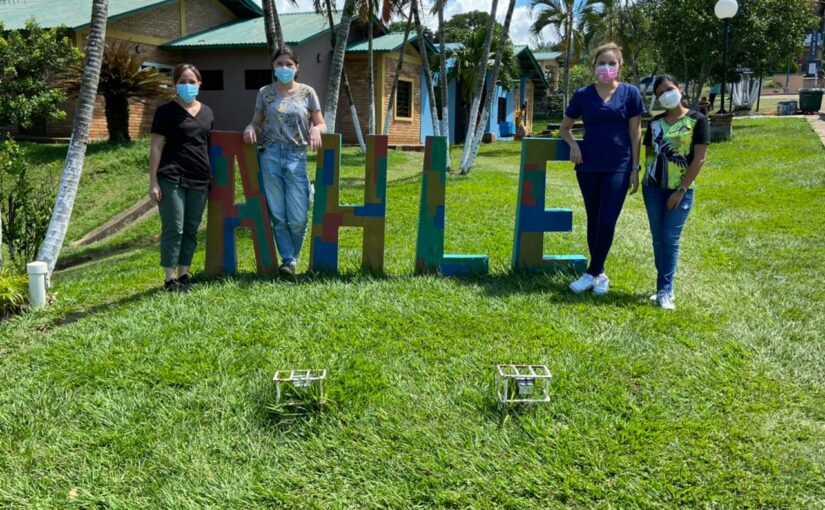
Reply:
x=37, y=283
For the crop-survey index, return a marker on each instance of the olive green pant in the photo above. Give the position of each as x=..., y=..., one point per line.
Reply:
x=181, y=211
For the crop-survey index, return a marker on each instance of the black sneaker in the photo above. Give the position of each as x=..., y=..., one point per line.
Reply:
x=185, y=282
x=171, y=285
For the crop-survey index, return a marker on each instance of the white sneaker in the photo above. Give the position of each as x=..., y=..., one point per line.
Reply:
x=655, y=297
x=665, y=300
x=600, y=285
x=582, y=284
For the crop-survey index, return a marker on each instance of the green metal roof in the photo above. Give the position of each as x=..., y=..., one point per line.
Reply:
x=529, y=64
x=547, y=55
x=298, y=28
x=76, y=14
x=386, y=43
x=72, y=13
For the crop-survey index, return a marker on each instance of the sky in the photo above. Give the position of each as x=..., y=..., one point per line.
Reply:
x=519, y=26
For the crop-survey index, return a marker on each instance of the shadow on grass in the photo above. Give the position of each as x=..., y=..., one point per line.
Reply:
x=107, y=306
x=50, y=153
x=554, y=286
x=99, y=252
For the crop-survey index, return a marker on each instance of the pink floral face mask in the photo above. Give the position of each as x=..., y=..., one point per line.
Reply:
x=606, y=73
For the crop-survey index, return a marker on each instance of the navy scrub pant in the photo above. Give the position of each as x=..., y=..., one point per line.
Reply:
x=604, y=195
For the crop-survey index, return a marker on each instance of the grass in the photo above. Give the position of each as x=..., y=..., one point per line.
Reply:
x=121, y=396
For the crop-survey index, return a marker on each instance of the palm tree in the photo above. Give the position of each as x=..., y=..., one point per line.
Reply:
x=442, y=77
x=398, y=67
x=70, y=178
x=272, y=26
x=122, y=78
x=478, y=86
x=428, y=75
x=570, y=19
x=337, y=64
x=327, y=9
x=488, y=103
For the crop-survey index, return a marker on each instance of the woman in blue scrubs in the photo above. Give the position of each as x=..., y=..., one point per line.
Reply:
x=607, y=159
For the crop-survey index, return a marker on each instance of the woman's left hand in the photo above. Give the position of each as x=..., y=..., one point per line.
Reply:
x=314, y=138
x=674, y=200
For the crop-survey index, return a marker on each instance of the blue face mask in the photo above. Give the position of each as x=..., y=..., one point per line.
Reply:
x=187, y=92
x=284, y=74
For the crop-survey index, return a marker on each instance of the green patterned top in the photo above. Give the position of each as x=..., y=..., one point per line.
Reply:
x=673, y=148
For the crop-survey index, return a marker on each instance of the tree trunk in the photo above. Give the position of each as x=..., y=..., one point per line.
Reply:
x=370, y=71
x=478, y=86
x=488, y=103
x=442, y=81
x=356, y=122
x=117, y=118
x=569, y=35
x=391, y=101
x=70, y=178
x=272, y=24
x=425, y=63
x=337, y=65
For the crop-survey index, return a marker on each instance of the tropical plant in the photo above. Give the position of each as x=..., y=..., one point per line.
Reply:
x=398, y=67
x=494, y=78
x=26, y=205
x=337, y=64
x=438, y=7
x=272, y=27
x=123, y=78
x=572, y=21
x=428, y=74
x=13, y=291
x=70, y=177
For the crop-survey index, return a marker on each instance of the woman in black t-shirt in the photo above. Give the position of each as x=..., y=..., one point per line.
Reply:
x=179, y=173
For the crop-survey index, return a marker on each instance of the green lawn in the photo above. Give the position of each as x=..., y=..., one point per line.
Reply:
x=132, y=398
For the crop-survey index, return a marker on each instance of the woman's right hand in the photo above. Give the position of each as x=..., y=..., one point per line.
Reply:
x=249, y=135
x=154, y=192
x=575, y=154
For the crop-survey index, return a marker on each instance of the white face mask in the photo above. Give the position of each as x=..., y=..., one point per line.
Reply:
x=670, y=99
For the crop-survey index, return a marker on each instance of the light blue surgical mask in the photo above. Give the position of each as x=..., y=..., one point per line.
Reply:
x=284, y=74
x=187, y=92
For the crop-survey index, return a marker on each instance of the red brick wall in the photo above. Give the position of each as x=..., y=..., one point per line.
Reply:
x=163, y=23
x=405, y=132
x=203, y=14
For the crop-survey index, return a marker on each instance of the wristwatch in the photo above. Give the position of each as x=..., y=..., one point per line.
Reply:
x=682, y=189
x=637, y=167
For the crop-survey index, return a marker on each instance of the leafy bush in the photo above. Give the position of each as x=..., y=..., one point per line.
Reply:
x=13, y=292
x=26, y=208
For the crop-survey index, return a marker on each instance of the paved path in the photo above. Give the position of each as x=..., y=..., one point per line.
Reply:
x=818, y=125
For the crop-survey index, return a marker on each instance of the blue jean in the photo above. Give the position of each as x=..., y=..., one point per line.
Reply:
x=603, y=195
x=286, y=187
x=666, y=230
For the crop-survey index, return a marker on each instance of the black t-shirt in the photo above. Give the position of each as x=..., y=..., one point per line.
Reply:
x=185, y=156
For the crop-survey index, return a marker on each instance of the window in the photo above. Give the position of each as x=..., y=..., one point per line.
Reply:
x=163, y=69
x=257, y=78
x=502, y=109
x=212, y=80
x=404, y=99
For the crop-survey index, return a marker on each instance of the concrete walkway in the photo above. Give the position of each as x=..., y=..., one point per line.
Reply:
x=818, y=125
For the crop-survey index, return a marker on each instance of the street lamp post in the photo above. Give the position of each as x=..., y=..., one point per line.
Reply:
x=725, y=10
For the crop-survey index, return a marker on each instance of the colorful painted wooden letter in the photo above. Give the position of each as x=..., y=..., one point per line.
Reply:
x=328, y=216
x=429, y=248
x=532, y=219
x=225, y=216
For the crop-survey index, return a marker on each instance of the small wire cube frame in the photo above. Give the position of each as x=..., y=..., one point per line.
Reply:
x=523, y=383
x=300, y=380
